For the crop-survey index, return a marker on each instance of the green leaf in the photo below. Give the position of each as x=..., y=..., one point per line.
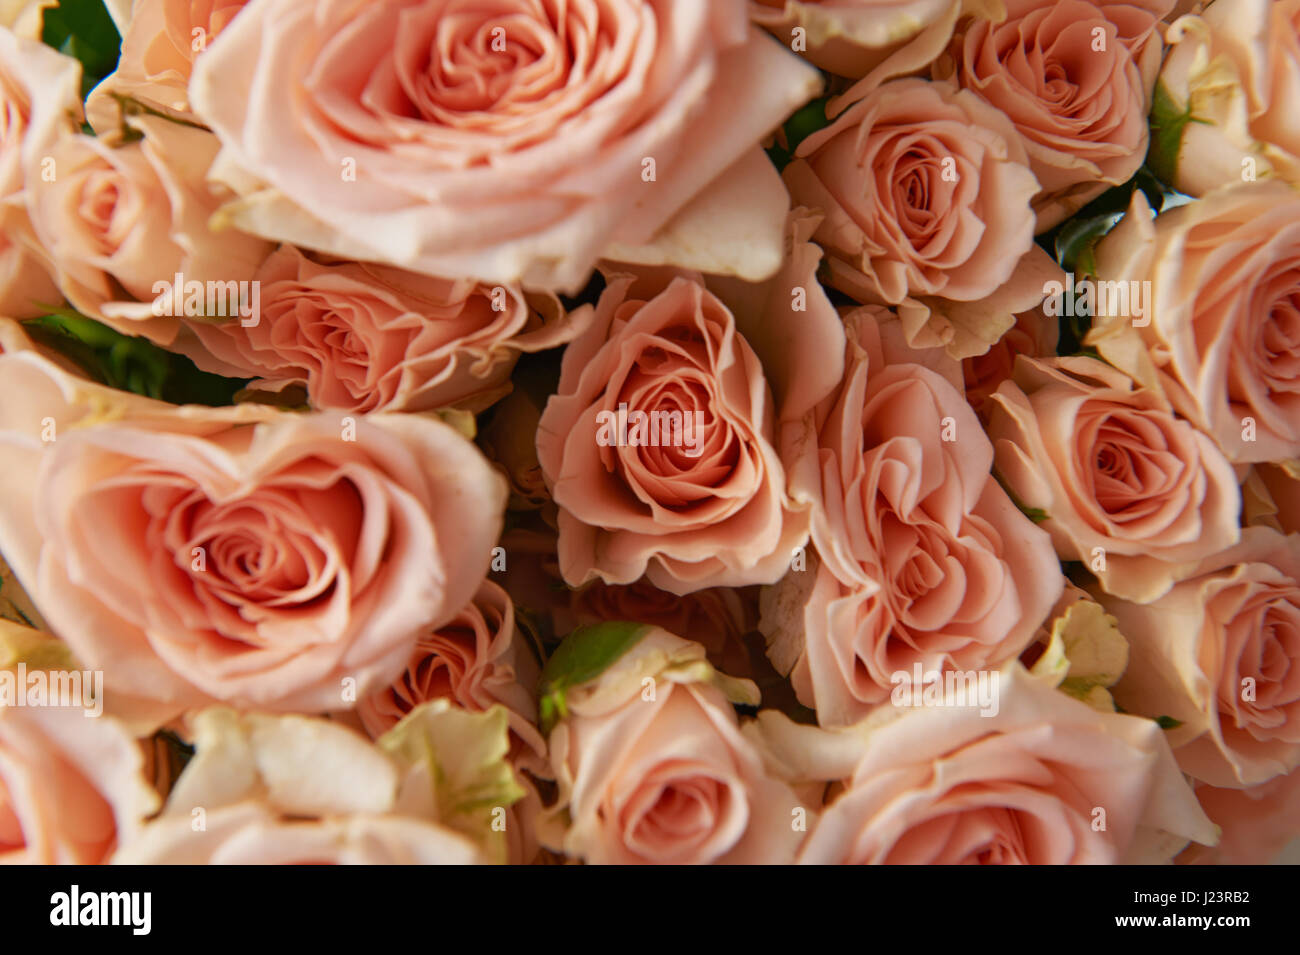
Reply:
x=84, y=30
x=131, y=364
x=583, y=656
x=1168, y=722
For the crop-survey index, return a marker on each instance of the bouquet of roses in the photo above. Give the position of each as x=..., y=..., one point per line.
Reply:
x=649, y=431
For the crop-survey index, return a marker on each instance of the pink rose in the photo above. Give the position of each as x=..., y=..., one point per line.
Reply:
x=1229, y=670
x=71, y=787
x=512, y=141
x=1256, y=823
x=159, y=47
x=1138, y=495
x=693, y=494
x=1034, y=335
x=241, y=554
x=39, y=94
x=118, y=218
x=1076, y=77
x=924, y=561
x=1221, y=337
x=370, y=338
x=1045, y=781
x=926, y=191
x=665, y=778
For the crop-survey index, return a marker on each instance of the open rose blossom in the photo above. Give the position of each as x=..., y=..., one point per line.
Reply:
x=693, y=495
x=241, y=554
x=288, y=790
x=664, y=777
x=369, y=338
x=1229, y=668
x=1234, y=68
x=159, y=48
x=1138, y=495
x=505, y=141
x=38, y=97
x=926, y=193
x=1076, y=78
x=118, y=217
x=924, y=559
x=71, y=787
x=1047, y=781
x=1222, y=340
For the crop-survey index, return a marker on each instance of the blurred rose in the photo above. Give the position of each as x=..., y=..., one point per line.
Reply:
x=71, y=787
x=945, y=785
x=1221, y=286
x=1035, y=334
x=924, y=560
x=241, y=554
x=1278, y=493
x=667, y=779
x=1256, y=823
x=1076, y=78
x=370, y=338
x=24, y=17
x=509, y=439
x=120, y=217
x=926, y=192
x=1234, y=69
x=1229, y=670
x=1138, y=495
x=512, y=141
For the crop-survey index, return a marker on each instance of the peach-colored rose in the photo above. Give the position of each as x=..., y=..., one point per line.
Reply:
x=288, y=790
x=694, y=494
x=1222, y=330
x=371, y=338
x=1138, y=495
x=159, y=48
x=718, y=618
x=476, y=659
x=923, y=558
x=39, y=94
x=1034, y=334
x=1235, y=70
x=71, y=787
x=852, y=37
x=510, y=141
x=241, y=554
x=1256, y=823
x=1047, y=780
x=926, y=192
x=664, y=779
x=1220, y=652
x=1076, y=78
x=119, y=217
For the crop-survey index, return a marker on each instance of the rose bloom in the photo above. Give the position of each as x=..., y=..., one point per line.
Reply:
x=1034, y=334
x=511, y=141
x=924, y=559
x=288, y=790
x=1029, y=785
x=926, y=191
x=241, y=554
x=718, y=618
x=159, y=47
x=1229, y=671
x=692, y=504
x=667, y=780
x=1234, y=68
x=1076, y=78
x=1222, y=338
x=121, y=217
x=71, y=787
x=1138, y=495
x=39, y=94
x=852, y=37
x=370, y=338
x=1256, y=823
